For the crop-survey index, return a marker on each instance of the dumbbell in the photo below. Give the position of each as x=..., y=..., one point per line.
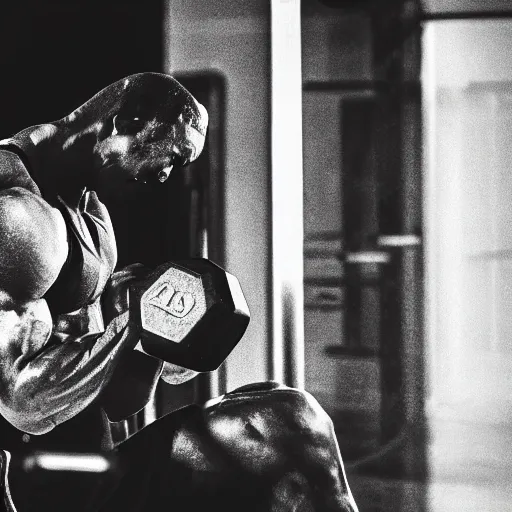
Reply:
x=192, y=313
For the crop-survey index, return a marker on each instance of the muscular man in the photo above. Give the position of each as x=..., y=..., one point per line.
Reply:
x=66, y=339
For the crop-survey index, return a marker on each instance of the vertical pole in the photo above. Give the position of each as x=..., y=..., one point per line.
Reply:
x=287, y=340
x=431, y=236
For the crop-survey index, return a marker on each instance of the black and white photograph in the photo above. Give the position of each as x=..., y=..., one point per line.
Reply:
x=254, y=256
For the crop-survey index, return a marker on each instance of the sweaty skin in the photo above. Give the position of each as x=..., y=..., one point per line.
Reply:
x=135, y=130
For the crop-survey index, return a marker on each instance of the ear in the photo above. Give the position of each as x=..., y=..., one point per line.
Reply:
x=127, y=124
x=108, y=129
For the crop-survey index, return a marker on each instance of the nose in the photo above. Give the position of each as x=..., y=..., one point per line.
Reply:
x=164, y=173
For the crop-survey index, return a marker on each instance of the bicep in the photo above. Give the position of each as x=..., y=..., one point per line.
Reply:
x=33, y=245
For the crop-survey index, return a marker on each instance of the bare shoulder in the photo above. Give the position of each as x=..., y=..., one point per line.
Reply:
x=14, y=174
x=34, y=244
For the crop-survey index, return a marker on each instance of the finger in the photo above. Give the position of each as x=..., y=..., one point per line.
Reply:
x=134, y=271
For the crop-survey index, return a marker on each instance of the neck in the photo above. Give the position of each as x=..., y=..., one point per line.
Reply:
x=60, y=155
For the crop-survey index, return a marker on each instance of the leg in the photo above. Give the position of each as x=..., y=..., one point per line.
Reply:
x=264, y=444
x=261, y=448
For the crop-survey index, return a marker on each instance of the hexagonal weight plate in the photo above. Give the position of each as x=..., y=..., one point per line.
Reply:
x=173, y=304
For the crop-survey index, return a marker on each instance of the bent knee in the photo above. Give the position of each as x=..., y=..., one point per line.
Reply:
x=257, y=387
x=280, y=411
x=284, y=429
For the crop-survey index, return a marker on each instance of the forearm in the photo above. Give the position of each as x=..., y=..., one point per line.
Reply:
x=51, y=385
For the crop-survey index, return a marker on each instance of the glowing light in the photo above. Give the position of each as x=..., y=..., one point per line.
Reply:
x=368, y=257
x=399, y=240
x=287, y=193
x=87, y=463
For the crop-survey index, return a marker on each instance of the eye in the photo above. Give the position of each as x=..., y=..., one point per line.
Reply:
x=128, y=125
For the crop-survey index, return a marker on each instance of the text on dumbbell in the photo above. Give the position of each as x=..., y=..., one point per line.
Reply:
x=172, y=301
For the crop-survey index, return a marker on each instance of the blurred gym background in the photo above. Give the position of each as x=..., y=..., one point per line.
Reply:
x=389, y=182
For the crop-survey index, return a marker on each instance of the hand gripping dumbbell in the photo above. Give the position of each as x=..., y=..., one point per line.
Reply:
x=192, y=313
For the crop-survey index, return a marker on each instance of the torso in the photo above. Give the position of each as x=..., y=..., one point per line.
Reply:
x=92, y=255
x=73, y=298
x=92, y=248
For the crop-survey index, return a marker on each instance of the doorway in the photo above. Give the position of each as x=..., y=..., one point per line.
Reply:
x=467, y=80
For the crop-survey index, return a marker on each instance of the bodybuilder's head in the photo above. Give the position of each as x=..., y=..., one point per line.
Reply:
x=144, y=125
